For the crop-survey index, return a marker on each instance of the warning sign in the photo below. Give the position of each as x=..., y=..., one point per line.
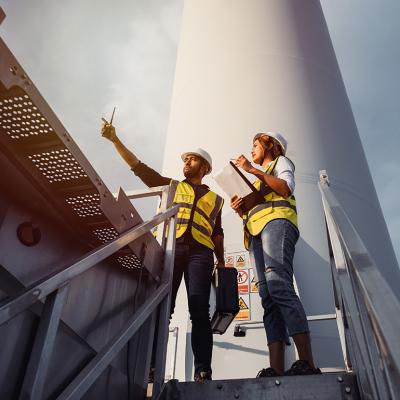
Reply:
x=244, y=308
x=240, y=261
x=253, y=282
x=229, y=260
x=243, y=281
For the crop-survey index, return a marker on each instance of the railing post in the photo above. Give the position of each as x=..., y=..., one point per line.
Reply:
x=164, y=313
x=39, y=361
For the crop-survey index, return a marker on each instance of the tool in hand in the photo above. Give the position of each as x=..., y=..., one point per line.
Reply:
x=112, y=117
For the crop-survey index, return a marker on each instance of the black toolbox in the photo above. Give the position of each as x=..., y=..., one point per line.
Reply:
x=226, y=299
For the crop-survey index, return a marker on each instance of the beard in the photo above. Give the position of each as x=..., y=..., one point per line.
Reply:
x=191, y=172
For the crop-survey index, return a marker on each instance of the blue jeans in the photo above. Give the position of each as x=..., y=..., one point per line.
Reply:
x=195, y=264
x=272, y=253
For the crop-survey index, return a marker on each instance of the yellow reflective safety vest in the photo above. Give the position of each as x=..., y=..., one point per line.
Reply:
x=274, y=207
x=204, y=214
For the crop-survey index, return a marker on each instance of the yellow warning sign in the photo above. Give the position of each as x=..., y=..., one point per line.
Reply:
x=253, y=282
x=240, y=261
x=242, y=304
x=244, y=309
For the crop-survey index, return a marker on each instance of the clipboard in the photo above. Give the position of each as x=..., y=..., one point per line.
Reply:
x=254, y=198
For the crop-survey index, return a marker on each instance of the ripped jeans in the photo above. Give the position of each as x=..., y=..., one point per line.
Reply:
x=272, y=254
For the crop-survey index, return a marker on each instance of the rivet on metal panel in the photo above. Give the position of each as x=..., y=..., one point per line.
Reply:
x=237, y=395
x=13, y=70
x=339, y=379
x=348, y=389
x=219, y=386
x=277, y=382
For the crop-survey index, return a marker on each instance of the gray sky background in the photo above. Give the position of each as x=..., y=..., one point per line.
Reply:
x=87, y=56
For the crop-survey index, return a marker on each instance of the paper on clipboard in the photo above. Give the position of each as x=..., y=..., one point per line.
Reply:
x=231, y=182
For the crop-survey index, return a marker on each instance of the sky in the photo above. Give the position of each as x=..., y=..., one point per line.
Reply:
x=88, y=56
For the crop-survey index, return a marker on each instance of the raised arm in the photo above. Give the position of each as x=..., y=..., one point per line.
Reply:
x=108, y=131
x=147, y=175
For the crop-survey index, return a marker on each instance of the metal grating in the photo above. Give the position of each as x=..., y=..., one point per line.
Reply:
x=105, y=234
x=20, y=118
x=86, y=205
x=130, y=261
x=58, y=165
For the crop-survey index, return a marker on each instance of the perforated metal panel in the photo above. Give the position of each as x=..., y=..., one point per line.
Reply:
x=58, y=165
x=20, y=118
x=130, y=261
x=87, y=205
x=105, y=234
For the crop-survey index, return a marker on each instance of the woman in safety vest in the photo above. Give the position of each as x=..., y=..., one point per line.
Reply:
x=271, y=233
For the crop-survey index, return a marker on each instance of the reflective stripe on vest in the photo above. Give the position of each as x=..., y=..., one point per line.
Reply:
x=204, y=215
x=274, y=207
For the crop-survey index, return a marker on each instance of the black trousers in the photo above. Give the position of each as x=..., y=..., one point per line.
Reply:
x=195, y=264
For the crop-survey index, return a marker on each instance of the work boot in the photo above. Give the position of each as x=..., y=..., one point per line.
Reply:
x=267, y=373
x=302, y=367
x=202, y=376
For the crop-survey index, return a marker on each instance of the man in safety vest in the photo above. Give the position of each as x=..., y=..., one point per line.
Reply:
x=199, y=234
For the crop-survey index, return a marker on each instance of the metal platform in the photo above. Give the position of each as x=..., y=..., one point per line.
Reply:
x=328, y=386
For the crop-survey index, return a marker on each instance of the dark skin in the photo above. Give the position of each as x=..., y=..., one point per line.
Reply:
x=262, y=156
x=194, y=170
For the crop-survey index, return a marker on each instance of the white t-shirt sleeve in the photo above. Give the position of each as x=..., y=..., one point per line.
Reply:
x=284, y=169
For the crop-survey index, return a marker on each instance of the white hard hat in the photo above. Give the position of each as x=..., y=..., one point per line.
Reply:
x=277, y=136
x=201, y=153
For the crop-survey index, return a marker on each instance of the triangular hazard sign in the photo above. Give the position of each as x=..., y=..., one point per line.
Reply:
x=240, y=259
x=253, y=280
x=242, y=304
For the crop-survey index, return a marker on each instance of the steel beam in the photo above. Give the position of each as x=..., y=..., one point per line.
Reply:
x=39, y=361
x=142, y=193
x=165, y=313
x=328, y=386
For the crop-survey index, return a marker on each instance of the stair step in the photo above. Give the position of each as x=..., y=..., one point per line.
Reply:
x=328, y=386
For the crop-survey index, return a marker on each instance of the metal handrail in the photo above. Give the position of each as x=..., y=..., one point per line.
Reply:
x=370, y=307
x=40, y=290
